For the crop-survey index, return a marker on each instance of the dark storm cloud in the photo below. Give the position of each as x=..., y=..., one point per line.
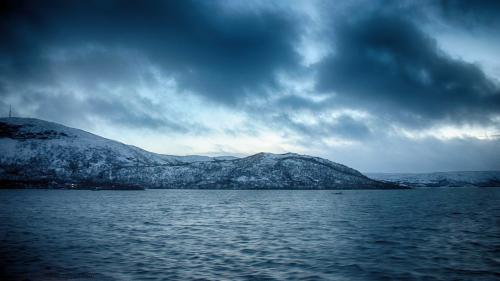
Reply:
x=69, y=59
x=384, y=63
x=483, y=14
x=217, y=52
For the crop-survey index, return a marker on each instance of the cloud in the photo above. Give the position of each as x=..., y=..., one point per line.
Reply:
x=471, y=14
x=223, y=54
x=132, y=112
x=341, y=127
x=399, y=154
x=384, y=63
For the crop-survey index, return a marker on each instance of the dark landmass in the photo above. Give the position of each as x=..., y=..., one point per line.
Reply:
x=43, y=184
x=442, y=179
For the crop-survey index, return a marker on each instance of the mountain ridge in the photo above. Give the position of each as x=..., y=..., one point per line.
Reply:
x=38, y=152
x=442, y=179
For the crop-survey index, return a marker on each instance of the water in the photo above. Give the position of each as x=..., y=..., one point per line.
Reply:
x=433, y=234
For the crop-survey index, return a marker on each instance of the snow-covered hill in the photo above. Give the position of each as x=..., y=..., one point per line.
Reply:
x=442, y=179
x=37, y=152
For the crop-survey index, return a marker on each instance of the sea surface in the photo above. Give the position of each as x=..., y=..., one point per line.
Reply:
x=428, y=234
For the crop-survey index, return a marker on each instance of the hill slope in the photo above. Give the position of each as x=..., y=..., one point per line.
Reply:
x=442, y=179
x=37, y=152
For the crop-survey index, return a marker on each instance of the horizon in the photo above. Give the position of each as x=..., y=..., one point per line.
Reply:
x=354, y=82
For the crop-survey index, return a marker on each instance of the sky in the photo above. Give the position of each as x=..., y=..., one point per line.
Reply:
x=381, y=86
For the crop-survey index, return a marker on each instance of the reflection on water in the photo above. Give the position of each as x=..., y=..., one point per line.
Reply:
x=246, y=235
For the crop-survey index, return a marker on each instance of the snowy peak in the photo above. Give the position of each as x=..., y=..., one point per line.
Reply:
x=270, y=158
x=37, y=152
x=49, y=133
x=28, y=128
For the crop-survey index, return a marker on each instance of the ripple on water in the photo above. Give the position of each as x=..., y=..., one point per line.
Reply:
x=250, y=235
